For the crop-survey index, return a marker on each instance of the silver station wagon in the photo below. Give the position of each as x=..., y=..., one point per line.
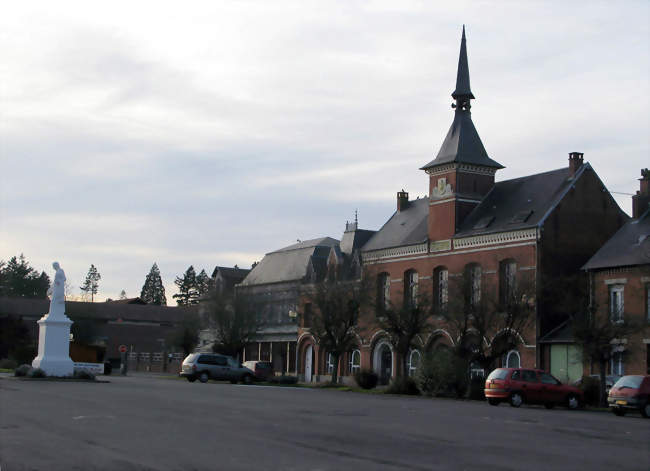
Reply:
x=206, y=366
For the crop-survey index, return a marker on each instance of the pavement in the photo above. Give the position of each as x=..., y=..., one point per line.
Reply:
x=149, y=422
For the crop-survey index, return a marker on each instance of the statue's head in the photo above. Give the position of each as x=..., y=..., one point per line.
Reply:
x=56, y=265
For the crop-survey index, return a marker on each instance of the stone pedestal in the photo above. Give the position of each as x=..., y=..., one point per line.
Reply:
x=54, y=346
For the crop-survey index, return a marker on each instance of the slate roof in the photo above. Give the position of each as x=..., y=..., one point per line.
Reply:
x=462, y=145
x=628, y=247
x=511, y=205
x=290, y=263
x=537, y=194
x=236, y=274
x=563, y=333
x=355, y=239
x=406, y=227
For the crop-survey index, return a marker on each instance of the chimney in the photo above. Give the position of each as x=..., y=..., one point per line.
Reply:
x=402, y=200
x=575, y=162
x=641, y=200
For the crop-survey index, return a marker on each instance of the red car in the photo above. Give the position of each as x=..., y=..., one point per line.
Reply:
x=630, y=393
x=521, y=385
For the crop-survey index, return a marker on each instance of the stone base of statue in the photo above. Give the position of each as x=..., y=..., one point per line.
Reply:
x=54, y=346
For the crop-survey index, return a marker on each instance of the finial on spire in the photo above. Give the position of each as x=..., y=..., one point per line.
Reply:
x=356, y=216
x=462, y=94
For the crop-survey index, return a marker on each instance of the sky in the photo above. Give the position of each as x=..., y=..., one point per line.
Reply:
x=211, y=133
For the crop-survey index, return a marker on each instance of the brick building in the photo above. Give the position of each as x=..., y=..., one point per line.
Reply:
x=537, y=229
x=619, y=275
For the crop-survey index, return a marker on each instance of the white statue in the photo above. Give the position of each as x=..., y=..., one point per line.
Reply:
x=54, y=332
x=57, y=292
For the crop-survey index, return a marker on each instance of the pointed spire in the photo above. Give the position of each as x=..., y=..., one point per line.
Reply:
x=462, y=77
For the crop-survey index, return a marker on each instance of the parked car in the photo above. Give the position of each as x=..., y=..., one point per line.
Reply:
x=262, y=370
x=206, y=366
x=609, y=381
x=520, y=385
x=631, y=392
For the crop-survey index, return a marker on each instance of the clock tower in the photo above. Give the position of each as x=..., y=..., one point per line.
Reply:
x=462, y=173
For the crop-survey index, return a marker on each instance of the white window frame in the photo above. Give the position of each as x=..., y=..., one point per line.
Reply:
x=475, y=276
x=617, y=364
x=475, y=370
x=513, y=353
x=385, y=289
x=443, y=287
x=413, y=369
x=330, y=364
x=354, y=368
x=616, y=303
x=412, y=287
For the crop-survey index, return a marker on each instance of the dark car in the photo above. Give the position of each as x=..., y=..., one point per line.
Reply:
x=609, y=381
x=263, y=370
x=206, y=366
x=631, y=392
x=520, y=385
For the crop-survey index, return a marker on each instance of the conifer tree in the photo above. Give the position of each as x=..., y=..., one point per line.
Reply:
x=202, y=283
x=91, y=284
x=122, y=294
x=187, y=290
x=18, y=279
x=153, y=291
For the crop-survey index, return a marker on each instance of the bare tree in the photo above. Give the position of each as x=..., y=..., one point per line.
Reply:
x=337, y=306
x=474, y=318
x=232, y=319
x=599, y=333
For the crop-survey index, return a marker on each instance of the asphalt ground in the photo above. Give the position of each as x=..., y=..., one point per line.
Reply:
x=155, y=423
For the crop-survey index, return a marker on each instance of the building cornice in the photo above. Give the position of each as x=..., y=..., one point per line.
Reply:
x=495, y=238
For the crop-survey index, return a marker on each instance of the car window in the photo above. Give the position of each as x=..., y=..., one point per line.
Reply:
x=499, y=373
x=529, y=376
x=221, y=361
x=516, y=375
x=548, y=379
x=232, y=362
x=206, y=360
x=629, y=382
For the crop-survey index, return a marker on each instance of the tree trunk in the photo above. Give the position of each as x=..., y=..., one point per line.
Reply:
x=335, y=370
x=602, y=394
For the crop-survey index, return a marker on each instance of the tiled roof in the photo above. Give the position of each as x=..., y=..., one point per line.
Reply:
x=405, y=227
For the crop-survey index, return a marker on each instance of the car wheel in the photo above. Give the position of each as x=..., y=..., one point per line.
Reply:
x=247, y=379
x=645, y=411
x=549, y=405
x=572, y=402
x=516, y=399
x=204, y=377
x=191, y=379
x=493, y=402
x=619, y=411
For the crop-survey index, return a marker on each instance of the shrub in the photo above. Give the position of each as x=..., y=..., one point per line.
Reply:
x=8, y=364
x=403, y=385
x=366, y=379
x=22, y=370
x=84, y=374
x=36, y=373
x=284, y=379
x=590, y=387
x=441, y=373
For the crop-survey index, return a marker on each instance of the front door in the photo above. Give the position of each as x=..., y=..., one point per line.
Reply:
x=308, y=360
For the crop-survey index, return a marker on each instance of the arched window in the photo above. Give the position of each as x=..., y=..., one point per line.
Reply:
x=411, y=288
x=414, y=362
x=355, y=361
x=473, y=274
x=441, y=288
x=383, y=290
x=507, y=280
x=330, y=364
x=513, y=359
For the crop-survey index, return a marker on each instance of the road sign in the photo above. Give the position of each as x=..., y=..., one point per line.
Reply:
x=122, y=348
